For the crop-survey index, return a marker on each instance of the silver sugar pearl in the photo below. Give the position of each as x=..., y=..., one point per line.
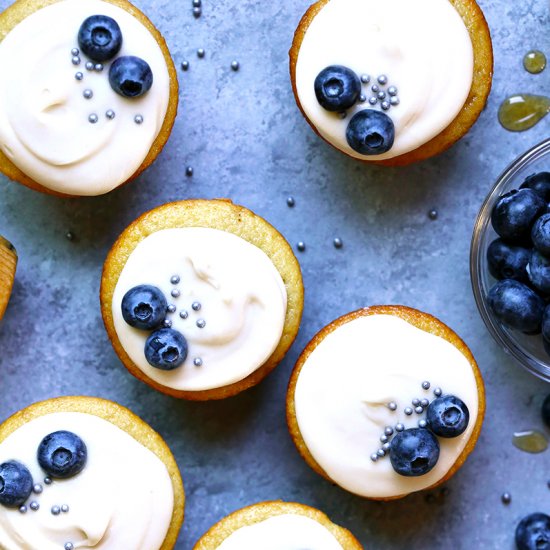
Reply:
x=381, y=95
x=392, y=90
x=201, y=323
x=197, y=12
x=290, y=202
x=175, y=293
x=98, y=67
x=196, y=306
x=425, y=385
x=175, y=279
x=93, y=118
x=415, y=402
x=89, y=66
x=388, y=430
x=138, y=119
x=392, y=405
x=399, y=427
x=197, y=3
x=37, y=488
x=382, y=79
x=171, y=308
x=381, y=452
x=301, y=246
x=342, y=115
x=337, y=242
x=184, y=314
x=235, y=65
x=110, y=114
x=394, y=101
x=374, y=457
x=64, y=508
x=424, y=403
x=88, y=94
x=408, y=411
x=383, y=439
x=422, y=423
x=418, y=410
x=438, y=392
x=79, y=76
x=200, y=52
x=189, y=171
x=365, y=78
x=506, y=498
x=75, y=52
x=68, y=546
x=362, y=98
x=75, y=60
x=375, y=88
x=386, y=447
x=48, y=480
x=167, y=323
x=197, y=362
x=34, y=506
x=373, y=100
x=185, y=65
x=23, y=509
x=385, y=105
x=432, y=214
x=56, y=510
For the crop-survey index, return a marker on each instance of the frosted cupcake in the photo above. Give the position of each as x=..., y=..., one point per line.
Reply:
x=89, y=98
x=81, y=472
x=386, y=401
x=201, y=298
x=392, y=85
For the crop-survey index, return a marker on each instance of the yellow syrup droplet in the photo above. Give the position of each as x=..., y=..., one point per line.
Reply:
x=534, y=62
x=531, y=441
x=522, y=111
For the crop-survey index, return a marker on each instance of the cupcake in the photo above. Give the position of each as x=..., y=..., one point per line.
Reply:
x=201, y=298
x=81, y=472
x=395, y=85
x=274, y=525
x=8, y=264
x=385, y=401
x=90, y=95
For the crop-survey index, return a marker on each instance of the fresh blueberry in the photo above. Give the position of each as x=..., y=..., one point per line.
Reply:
x=62, y=454
x=370, y=132
x=130, y=76
x=144, y=307
x=414, y=452
x=539, y=183
x=166, y=349
x=15, y=484
x=337, y=88
x=507, y=261
x=538, y=270
x=546, y=410
x=514, y=214
x=447, y=416
x=540, y=234
x=516, y=305
x=100, y=38
x=533, y=532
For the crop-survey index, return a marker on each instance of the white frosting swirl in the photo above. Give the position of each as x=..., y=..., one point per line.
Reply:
x=283, y=532
x=122, y=499
x=346, y=383
x=44, y=127
x=424, y=49
x=243, y=302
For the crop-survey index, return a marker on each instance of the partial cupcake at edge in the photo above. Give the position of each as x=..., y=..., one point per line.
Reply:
x=391, y=84
x=8, y=265
x=277, y=524
x=82, y=472
x=201, y=298
x=386, y=401
x=91, y=96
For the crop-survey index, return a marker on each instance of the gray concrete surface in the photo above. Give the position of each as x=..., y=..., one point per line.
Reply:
x=246, y=140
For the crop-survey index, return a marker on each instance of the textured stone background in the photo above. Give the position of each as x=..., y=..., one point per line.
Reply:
x=246, y=140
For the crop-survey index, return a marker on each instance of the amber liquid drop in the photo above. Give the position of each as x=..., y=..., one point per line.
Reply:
x=534, y=62
x=520, y=112
x=531, y=441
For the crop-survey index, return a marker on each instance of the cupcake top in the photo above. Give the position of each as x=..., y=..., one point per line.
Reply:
x=370, y=399
x=93, y=486
x=198, y=308
x=85, y=98
x=282, y=532
x=409, y=70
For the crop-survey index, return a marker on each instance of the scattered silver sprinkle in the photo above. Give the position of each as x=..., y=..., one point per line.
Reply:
x=189, y=171
x=415, y=402
x=197, y=362
x=386, y=447
x=381, y=452
x=301, y=246
x=89, y=66
x=235, y=65
x=385, y=105
x=392, y=405
x=75, y=60
x=175, y=279
x=184, y=314
x=75, y=52
x=365, y=78
x=110, y=114
x=424, y=403
x=185, y=65
x=394, y=101
x=506, y=498
x=79, y=75
x=408, y=411
x=200, y=52
x=337, y=242
x=167, y=323
x=382, y=79
x=98, y=67
x=419, y=410
x=93, y=118
x=196, y=306
x=201, y=323
x=438, y=392
x=37, y=488
x=34, y=506
x=375, y=88
x=56, y=510
x=138, y=119
x=175, y=293
x=383, y=439
x=362, y=98
x=374, y=457
x=68, y=546
x=432, y=214
x=392, y=90
x=88, y=94
x=290, y=202
x=23, y=509
x=381, y=95
x=373, y=100
x=48, y=480
x=425, y=385
x=422, y=423
x=171, y=308
x=399, y=427
x=388, y=430
x=197, y=12
x=197, y=3
x=64, y=508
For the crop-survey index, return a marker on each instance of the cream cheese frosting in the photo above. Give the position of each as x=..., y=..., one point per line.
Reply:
x=123, y=498
x=283, y=532
x=44, y=127
x=424, y=49
x=242, y=301
x=345, y=385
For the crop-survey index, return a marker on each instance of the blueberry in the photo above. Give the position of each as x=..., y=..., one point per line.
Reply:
x=533, y=532
x=130, y=76
x=15, y=484
x=540, y=234
x=166, y=349
x=447, y=416
x=539, y=183
x=62, y=454
x=514, y=214
x=507, y=261
x=516, y=305
x=545, y=411
x=144, y=307
x=414, y=452
x=100, y=38
x=538, y=270
x=370, y=132
x=337, y=88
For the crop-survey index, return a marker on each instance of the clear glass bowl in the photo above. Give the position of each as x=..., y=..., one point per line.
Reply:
x=528, y=350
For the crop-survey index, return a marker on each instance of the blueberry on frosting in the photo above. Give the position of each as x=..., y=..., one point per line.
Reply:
x=448, y=416
x=337, y=88
x=166, y=349
x=144, y=307
x=370, y=132
x=414, y=452
x=100, y=37
x=15, y=484
x=130, y=76
x=62, y=454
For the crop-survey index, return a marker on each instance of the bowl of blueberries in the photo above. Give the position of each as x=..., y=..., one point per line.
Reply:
x=510, y=260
